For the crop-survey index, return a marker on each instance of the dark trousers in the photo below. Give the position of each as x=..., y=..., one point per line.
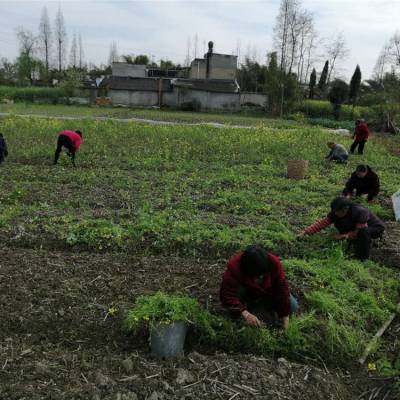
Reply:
x=340, y=159
x=67, y=143
x=266, y=303
x=360, y=145
x=363, y=241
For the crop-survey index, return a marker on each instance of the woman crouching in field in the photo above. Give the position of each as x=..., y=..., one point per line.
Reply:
x=254, y=282
x=354, y=223
x=72, y=141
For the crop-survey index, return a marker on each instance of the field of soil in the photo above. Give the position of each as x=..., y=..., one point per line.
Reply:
x=59, y=342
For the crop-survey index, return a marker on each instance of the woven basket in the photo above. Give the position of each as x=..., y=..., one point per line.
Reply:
x=297, y=169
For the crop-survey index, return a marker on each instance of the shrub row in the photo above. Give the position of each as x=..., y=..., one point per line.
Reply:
x=30, y=93
x=323, y=109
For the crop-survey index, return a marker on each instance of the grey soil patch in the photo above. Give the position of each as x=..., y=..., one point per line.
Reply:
x=387, y=249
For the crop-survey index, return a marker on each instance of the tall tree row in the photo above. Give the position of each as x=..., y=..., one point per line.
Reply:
x=45, y=38
x=73, y=57
x=295, y=39
x=60, y=38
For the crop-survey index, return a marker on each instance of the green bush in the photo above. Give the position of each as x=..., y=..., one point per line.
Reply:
x=323, y=109
x=162, y=308
x=31, y=93
x=332, y=124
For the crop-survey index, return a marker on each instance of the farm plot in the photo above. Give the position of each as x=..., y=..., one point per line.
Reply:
x=152, y=208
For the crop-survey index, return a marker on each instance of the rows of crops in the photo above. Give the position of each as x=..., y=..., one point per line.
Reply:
x=203, y=192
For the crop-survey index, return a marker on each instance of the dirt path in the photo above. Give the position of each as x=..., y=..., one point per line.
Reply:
x=58, y=342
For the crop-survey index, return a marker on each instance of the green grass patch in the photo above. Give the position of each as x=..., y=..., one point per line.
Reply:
x=206, y=192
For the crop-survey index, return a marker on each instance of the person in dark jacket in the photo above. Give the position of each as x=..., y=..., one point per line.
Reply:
x=354, y=223
x=71, y=140
x=253, y=279
x=363, y=181
x=3, y=148
x=361, y=134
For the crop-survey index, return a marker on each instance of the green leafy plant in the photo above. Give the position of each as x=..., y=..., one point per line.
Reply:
x=162, y=308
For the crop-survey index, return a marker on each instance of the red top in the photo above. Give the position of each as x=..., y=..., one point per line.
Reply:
x=271, y=285
x=75, y=138
x=361, y=132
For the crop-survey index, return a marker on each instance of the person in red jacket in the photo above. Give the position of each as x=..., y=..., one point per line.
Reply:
x=254, y=279
x=361, y=134
x=71, y=140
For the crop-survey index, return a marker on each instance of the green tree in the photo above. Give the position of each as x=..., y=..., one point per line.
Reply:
x=324, y=77
x=167, y=64
x=8, y=71
x=355, y=84
x=280, y=87
x=28, y=68
x=338, y=94
x=71, y=82
x=141, y=59
x=271, y=86
x=313, y=82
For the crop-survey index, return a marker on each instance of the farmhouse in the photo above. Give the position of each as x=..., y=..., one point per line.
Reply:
x=211, y=85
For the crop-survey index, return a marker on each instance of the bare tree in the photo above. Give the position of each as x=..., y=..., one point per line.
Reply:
x=61, y=38
x=81, y=53
x=27, y=65
x=394, y=49
x=382, y=63
x=73, y=55
x=389, y=58
x=195, y=45
x=336, y=51
x=188, y=51
x=295, y=26
x=27, y=42
x=238, y=51
x=312, y=45
x=113, y=56
x=285, y=40
x=307, y=36
x=45, y=37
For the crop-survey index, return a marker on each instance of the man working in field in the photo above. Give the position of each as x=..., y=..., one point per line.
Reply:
x=338, y=153
x=363, y=181
x=361, y=134
x=255, y=279
x=354, y=223
x=71, y=141
x=3, y=148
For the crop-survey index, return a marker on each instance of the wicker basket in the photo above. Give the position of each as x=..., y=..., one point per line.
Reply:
x=297, y=169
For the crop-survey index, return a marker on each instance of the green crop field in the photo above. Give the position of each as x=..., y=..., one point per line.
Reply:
x=199, y=193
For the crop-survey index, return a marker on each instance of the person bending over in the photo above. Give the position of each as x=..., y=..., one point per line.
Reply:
x=255, y=280
x=361, y=134
x=354, y=223
x=3, y=148
x=71, y=140
x=363, y=181
x=338, y=153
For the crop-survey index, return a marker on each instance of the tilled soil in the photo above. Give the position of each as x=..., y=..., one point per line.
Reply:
x=58, y=341
x=387, y=249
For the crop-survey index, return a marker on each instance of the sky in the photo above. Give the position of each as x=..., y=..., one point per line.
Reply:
x=162, y=29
